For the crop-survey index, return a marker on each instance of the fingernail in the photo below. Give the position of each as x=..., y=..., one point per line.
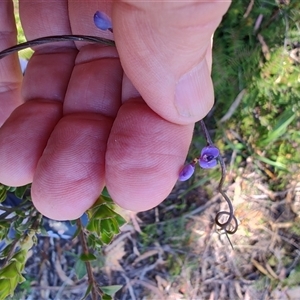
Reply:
x=194, y=93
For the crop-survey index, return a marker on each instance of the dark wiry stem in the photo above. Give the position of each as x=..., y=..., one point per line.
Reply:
x=56, y=38
x=230, y=214
x=206, y=134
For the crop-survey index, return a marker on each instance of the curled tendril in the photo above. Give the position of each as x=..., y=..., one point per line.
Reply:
x=227, y=226
x=210, y=155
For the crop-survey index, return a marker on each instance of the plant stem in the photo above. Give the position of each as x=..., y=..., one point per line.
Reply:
x=56, y=38
x=95, y=289
x=206, y=134
x=230, y=214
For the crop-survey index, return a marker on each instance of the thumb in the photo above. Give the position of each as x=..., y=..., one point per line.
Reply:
x=165, y=50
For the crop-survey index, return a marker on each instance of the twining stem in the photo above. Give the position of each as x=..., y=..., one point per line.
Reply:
x=230, y=214
x=56, y=38
x=206, y=134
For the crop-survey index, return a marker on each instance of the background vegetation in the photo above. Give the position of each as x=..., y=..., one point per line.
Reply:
x=174, y=251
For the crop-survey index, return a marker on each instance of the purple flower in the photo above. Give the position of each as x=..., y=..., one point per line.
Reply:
x=208, y=158
x=102, y=21
x=186, y=172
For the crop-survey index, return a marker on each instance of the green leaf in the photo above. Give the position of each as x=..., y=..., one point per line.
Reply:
x=279, y=129
x=10, y=271
x=92, y=226
x=43, y=230
x=106, y=238
x=272, y=163
x=116, y=228
x=21, y=279
x=103, y=199
x=107, y=199
x=4, y=225
x=105, y=193
x=10, y=277
x=107, y=225
x=120, y=220
x=87, y=257
x=80, y=269
x=78, y=230
x=94, y=242
x=111, y=290
x=104, y=212
x=20, y=191
x=11, y=189
x=87, y=292
x=106, y=297
x=2, y=194
x=5, y=291
x=100, y=201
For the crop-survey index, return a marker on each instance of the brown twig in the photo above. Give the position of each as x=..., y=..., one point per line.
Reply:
x=95, y=291
x=249, y=8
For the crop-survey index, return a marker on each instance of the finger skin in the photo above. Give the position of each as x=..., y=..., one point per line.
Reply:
x=71, y=159
x=25, y=133
x=23, y=138
x=161, y=42
x=70, y=174
x=44, y=18
x=10, y=71
x=144, y=156
x=95, y=84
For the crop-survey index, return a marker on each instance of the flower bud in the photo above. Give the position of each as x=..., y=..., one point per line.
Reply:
x=186, y=172
x=102, y=21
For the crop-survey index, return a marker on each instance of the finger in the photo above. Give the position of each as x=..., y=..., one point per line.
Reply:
x=23, y=138
x=25, y=133
x=144, y=156
x=44, y=18
x=50, y=67
x=10, y=71
x=70, y=174
x=162, y=46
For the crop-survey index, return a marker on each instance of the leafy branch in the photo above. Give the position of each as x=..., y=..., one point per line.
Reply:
x=25, y=224
x=104, y=224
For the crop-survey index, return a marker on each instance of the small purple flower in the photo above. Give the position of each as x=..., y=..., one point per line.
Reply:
x=102, y=21
x=208, y=158
x=186, y=172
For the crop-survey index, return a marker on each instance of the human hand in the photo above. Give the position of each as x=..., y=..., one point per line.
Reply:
x=84, y=123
